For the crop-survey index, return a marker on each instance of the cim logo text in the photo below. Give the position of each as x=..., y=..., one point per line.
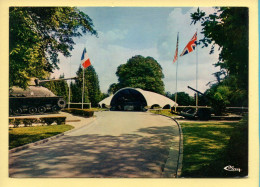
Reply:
x=231, y=168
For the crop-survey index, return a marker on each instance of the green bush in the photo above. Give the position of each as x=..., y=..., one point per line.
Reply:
x=17, y=122
x=29, y=121
x=47, y=120
x=60, y=120
x=11, y=121
x=80, y=112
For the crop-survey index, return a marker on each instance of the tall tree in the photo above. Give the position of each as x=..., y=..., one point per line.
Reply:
x=183, y=99
x=227, y=27
x=140, y=72
x=92, y=91
x=37, y=35
x=58, y=87
x=113, y=88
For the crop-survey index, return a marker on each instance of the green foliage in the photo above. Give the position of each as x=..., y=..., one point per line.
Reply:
x=140, y=72
x=60, y=120
x=227, y=28
x=58, y=87
x=237, y=150
x=206, y=147
x=11, y=121
x=17, y=122
x=220, y=96
x=38, y=35
x=49, y=120
x=29, y=121
x=165, y=112
x=92, y=91
x=226, y=94
x=103, y=96
x=81, y=112
x=183, y=99
x=113, y=88
x=26, y=135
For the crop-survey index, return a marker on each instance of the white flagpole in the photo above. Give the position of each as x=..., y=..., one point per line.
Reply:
x=176, y=83
x=69, y=84
x=83, y=86
x=177, y=71
x=83, y=89
x=197, y=99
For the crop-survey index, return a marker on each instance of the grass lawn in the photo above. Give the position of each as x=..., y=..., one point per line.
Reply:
x=24, y=135
x=206, y=149
x=166, y=112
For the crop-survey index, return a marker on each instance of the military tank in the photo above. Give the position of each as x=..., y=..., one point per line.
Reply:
x=35, y=99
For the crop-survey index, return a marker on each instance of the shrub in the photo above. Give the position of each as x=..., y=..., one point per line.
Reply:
x=49, y=120
x=60, y=120
x=17, y=122
x=11, y=121
x=80, y=112
x=29, y=121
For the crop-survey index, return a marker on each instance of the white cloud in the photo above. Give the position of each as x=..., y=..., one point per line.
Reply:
x=107, y=52
x=181, y=22
x=116, y=34
x=104, y=56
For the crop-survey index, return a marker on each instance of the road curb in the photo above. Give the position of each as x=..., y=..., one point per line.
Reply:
x=169, y=164
x=180, y=158
x=20, y=148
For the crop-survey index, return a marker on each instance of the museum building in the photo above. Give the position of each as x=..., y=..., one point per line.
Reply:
x=136, y=99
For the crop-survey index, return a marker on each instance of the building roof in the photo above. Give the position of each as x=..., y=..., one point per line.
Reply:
x=106, y=101
x=151, y=98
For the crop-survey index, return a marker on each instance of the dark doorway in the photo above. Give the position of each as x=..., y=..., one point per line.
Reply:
x=128, y=100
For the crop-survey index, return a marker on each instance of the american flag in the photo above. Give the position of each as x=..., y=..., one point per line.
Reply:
x=176, y=52
x=190, y=46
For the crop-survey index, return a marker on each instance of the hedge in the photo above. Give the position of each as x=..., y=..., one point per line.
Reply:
x=29, y=121
x=80, y=112
x=49, y=120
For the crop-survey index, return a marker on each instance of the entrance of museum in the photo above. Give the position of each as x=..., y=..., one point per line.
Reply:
x=128, y=100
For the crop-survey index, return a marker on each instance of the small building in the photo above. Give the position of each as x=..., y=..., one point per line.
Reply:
x=136, y=99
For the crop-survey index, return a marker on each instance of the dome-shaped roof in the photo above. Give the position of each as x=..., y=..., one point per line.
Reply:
x=151, y=98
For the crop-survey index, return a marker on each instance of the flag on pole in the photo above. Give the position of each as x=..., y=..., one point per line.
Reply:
x=85, y=61
x=190, y=46
x=176, y=52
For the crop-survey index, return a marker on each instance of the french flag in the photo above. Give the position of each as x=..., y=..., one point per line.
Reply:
x=85, y=61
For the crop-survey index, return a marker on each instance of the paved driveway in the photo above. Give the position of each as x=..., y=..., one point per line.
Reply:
x=116, y=144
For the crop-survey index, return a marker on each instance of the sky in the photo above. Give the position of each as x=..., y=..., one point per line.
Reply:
x=124, y=32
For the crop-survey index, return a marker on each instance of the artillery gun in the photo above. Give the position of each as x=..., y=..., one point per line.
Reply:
x=35, y=99
x=199, y=112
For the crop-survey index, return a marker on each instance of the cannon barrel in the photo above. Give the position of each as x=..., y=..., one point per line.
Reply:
x=58, y=79
x=196, y=91
x=37, y=81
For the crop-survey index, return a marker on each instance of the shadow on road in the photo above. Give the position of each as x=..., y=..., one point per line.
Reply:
x=142, y=154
